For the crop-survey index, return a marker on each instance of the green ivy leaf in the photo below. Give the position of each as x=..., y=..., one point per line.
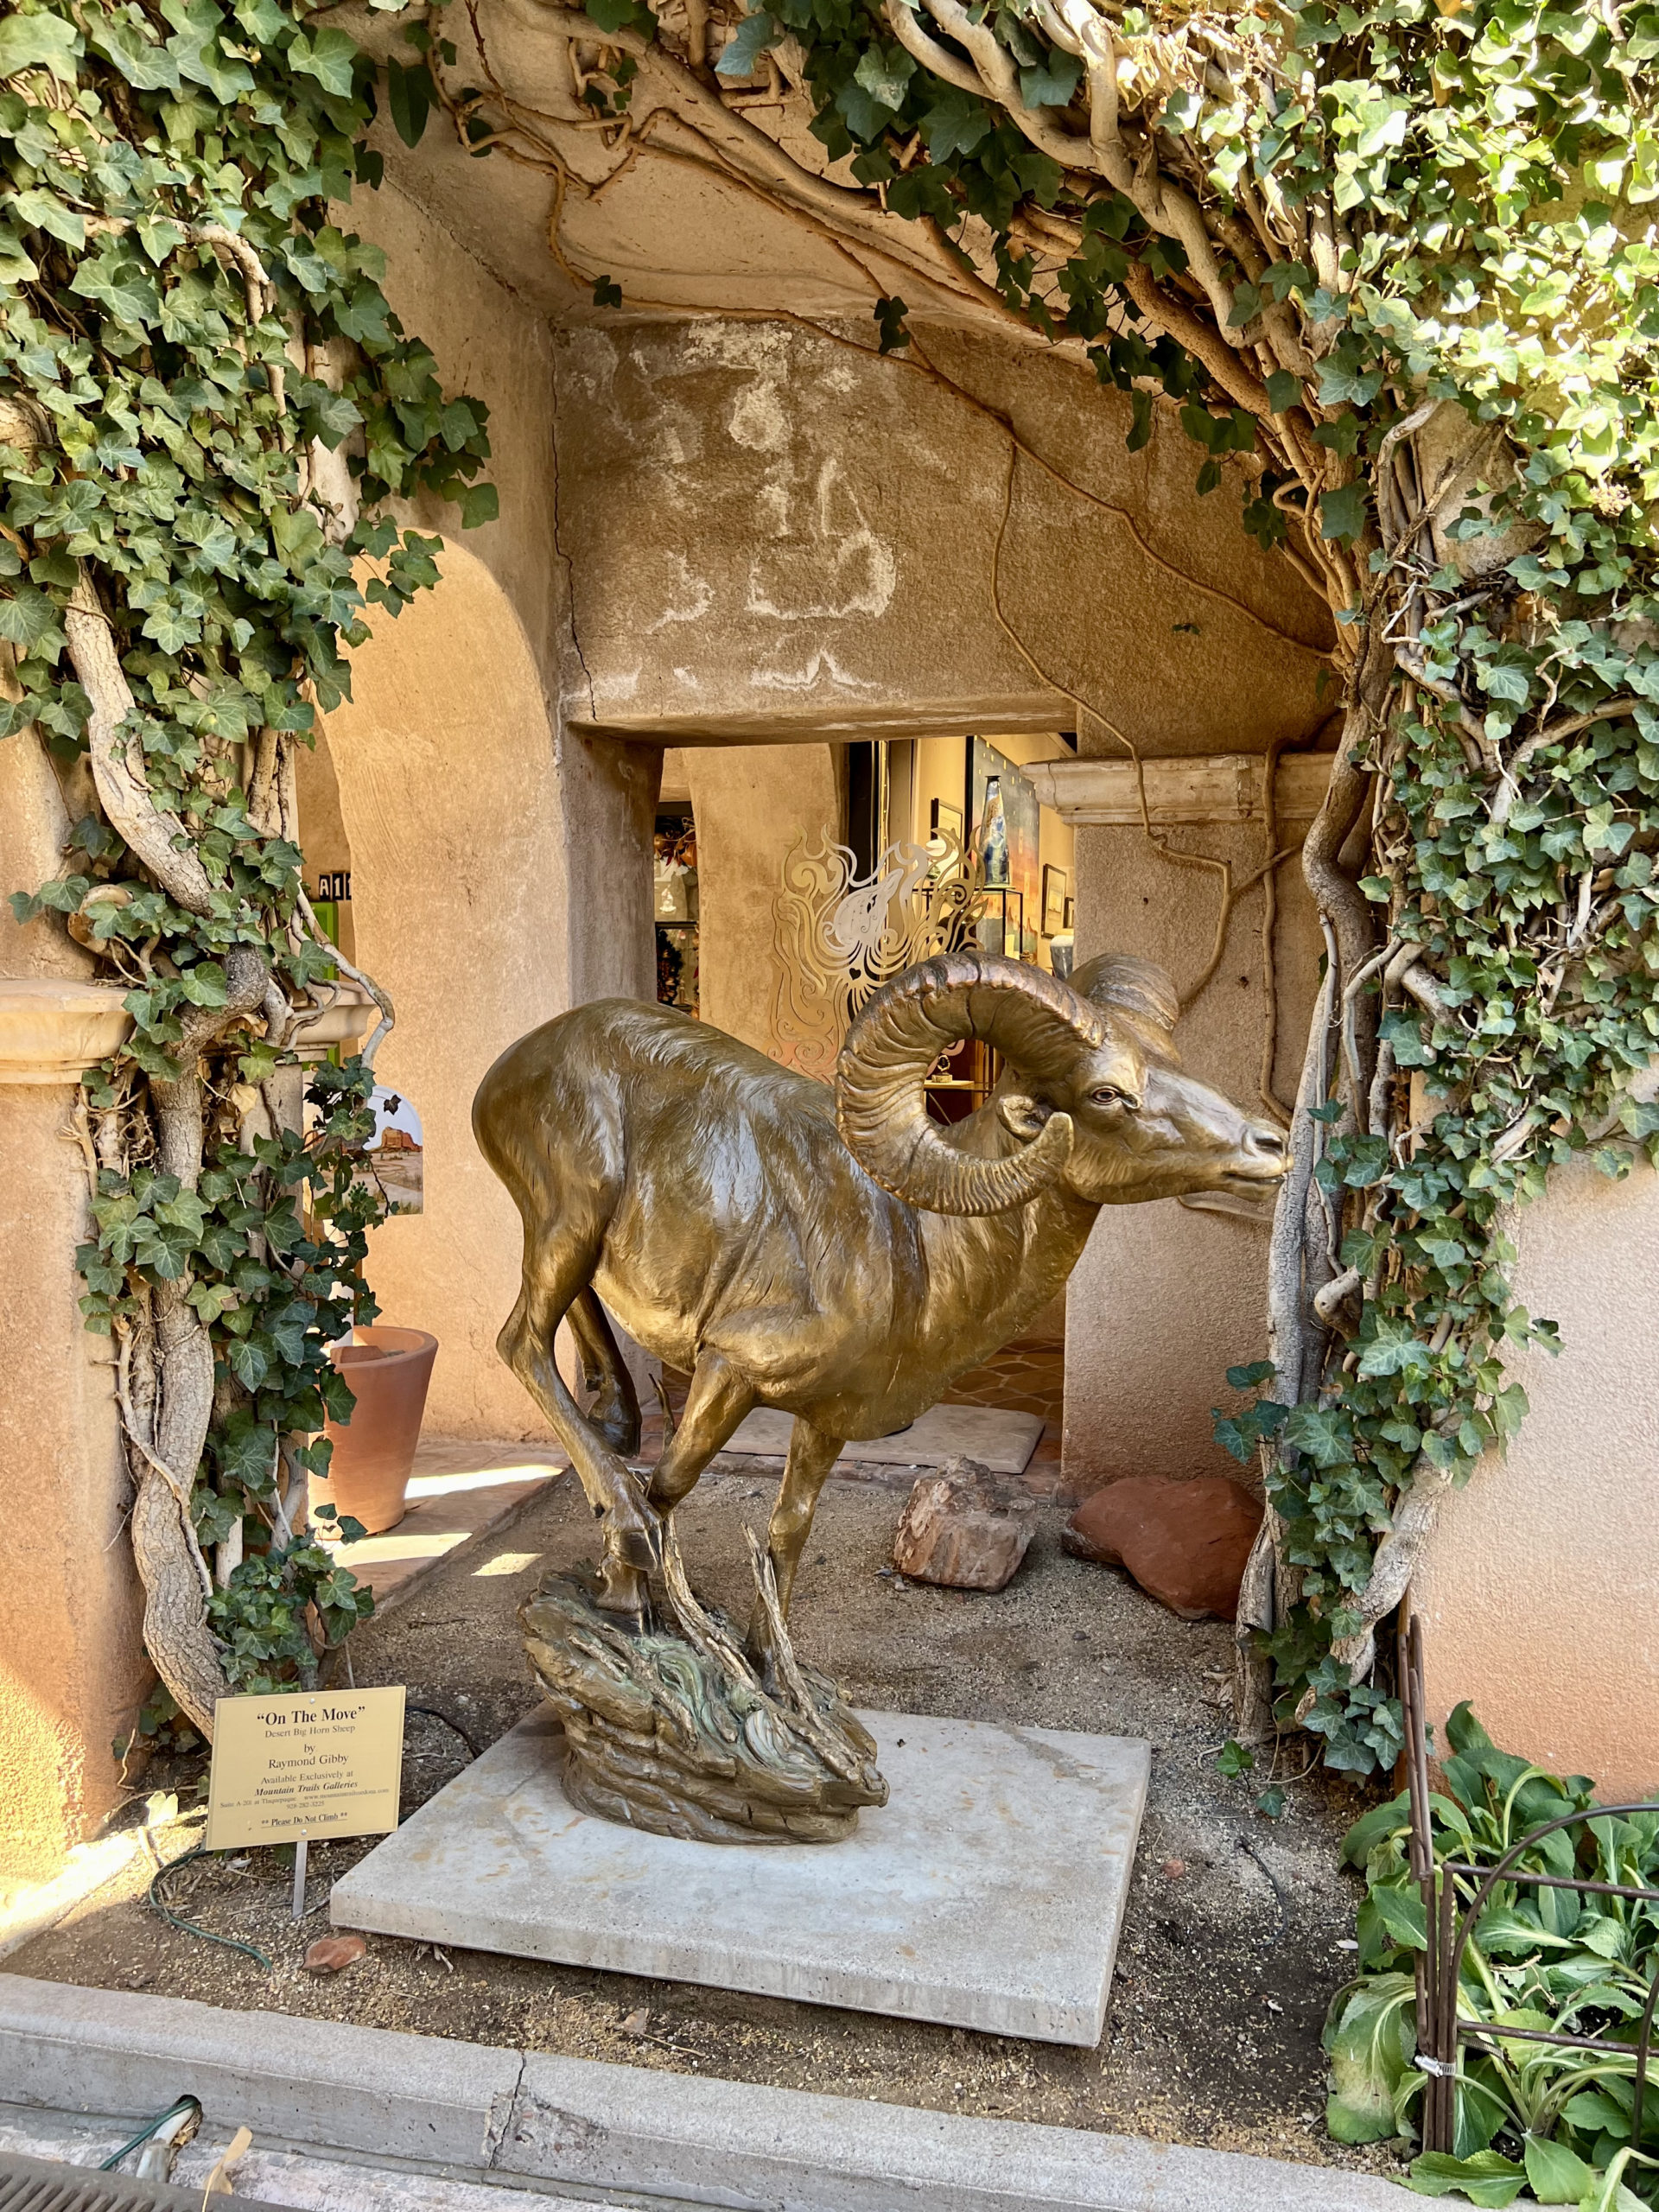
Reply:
x=328, y=55
x=43, y=41
x=28, y=620
x=408, y=97
x=621, y=16
x=479, y=504
x=1284, y=390
x=1051, y=82
x=146, y=67
x=955, y=123
x=1250, y=1377
x=1342, y=513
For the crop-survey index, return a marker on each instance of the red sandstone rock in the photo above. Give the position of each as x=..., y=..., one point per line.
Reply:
x=1185, y=1543
x=332, y=1953
x=964, y=1528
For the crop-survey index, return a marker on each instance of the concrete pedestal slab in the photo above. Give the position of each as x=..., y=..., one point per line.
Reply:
x=986, y=1894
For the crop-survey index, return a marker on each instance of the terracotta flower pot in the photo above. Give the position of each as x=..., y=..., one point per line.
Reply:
x=389, y=1370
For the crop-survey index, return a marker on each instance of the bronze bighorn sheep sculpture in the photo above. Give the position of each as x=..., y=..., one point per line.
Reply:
x=838, y=1254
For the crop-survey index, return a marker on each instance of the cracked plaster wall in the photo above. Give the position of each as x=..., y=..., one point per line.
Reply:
x=772, y=533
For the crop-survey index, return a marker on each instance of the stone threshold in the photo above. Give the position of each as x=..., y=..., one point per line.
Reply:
x=528, y=2120
x=460, y=1492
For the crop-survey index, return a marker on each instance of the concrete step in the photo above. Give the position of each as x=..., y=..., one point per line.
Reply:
x=481, y=2115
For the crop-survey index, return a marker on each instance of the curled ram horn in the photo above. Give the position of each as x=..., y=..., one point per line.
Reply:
x=1039, y=1025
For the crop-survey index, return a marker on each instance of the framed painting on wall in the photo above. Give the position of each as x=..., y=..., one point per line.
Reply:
x=1004, y=814
x=1055, y=886
x=944, y=829
x=396, y=1156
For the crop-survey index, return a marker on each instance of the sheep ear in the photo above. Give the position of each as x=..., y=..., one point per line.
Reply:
x=1023, y=1116
x=1139, y=992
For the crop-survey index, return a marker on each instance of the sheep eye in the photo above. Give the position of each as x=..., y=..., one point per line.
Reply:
x=1109, y=1095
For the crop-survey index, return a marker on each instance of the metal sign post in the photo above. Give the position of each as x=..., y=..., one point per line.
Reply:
x=299, y=1877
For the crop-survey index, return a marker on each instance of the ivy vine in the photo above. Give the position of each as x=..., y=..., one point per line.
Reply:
x=205, y=405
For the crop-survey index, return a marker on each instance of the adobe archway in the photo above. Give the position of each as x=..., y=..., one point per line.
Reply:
x=500, y=874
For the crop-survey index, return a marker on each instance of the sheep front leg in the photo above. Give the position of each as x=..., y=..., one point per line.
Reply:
x=811, y=1455
x=715, y=1407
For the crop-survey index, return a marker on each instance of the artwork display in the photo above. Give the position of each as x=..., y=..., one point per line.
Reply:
x=675, y=907
x=664, y=1168
x=1005, y=815
x=675, y=877
x=1055, y=883
x=397, y=1153
x=945, y=832
x=1001, y=926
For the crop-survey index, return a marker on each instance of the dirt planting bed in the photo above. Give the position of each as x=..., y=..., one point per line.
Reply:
x=1233, y=1946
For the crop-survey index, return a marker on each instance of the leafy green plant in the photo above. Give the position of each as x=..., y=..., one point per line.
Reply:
x=206, y=403
x=1532, y=2115
x=1234, y=1759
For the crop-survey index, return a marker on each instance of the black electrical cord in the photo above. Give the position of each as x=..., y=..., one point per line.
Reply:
x=150, y=2127
x=432, y=1714
x=158, y=1903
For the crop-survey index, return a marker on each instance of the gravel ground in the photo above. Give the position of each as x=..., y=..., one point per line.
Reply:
x=1232, y=1947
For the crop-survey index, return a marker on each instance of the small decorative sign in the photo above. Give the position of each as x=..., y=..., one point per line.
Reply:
x=305, y=1763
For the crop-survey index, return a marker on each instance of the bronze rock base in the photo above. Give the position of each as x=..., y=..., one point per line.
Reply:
x=672, y=1729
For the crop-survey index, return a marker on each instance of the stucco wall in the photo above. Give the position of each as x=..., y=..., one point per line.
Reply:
x=500, y=862
x=496, y=881
x=1165, y=1299
x=772, y=533
x=1539, y=1590
x=751, y=804
x=492, y=345
x=72, y=1670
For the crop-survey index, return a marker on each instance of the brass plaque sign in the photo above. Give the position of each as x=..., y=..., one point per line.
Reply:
x=304, y=1762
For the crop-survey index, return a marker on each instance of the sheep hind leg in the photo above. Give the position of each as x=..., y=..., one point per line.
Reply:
x=614, y=1411
x=631, y=1530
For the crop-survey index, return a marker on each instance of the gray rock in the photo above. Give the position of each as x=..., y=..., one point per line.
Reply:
x=963, y=1527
